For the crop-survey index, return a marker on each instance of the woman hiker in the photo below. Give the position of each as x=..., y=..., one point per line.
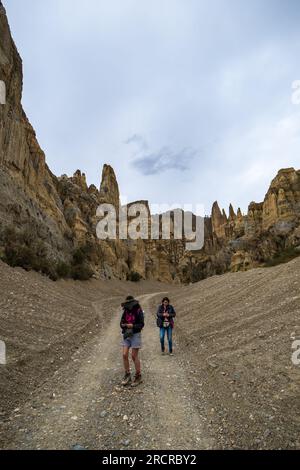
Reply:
x=132, y=323
x=165, y=322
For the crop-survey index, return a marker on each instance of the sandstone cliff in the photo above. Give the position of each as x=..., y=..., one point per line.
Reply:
x=44, y=219
x=241, y=242
x=28, y=189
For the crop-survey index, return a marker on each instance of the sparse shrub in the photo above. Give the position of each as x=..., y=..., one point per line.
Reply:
x=283, y=257
x=63, y=269
x=78, y=256
x=9, y=234
x=83, y=253
x=81, y=272
x=25, y=249
x=16, y=254
x=51, y=272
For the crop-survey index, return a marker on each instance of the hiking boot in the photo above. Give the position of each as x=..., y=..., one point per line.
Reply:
x=163, y=353
x=127, y=379
x=171, y=354
x=137, y=380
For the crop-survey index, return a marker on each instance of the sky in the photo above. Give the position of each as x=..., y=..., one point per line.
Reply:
x=190, y=101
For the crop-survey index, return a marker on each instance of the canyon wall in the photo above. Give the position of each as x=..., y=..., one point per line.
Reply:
x=48, y=223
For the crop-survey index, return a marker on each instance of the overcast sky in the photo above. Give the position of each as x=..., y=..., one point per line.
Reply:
x=188, y=100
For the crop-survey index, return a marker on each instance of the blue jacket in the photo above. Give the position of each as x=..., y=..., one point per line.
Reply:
x=160, y=317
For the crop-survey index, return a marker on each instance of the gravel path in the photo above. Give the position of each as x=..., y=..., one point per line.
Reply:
x=84, y=406
x=230, y=385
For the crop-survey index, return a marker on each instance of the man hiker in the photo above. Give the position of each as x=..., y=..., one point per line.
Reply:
x=165, y=322
x=132, y=323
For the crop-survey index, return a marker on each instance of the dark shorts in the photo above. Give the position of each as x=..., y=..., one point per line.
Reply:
x=134, y=341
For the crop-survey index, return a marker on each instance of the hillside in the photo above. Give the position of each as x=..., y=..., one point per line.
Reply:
x=43, y=323
x=236, y=331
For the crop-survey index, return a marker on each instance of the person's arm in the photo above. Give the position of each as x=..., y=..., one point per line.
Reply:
x=172, y=312
x=139, y=325
x=122, y=322
x=160, y=313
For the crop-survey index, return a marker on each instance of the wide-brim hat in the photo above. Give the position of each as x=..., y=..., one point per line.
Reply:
x=129, y=299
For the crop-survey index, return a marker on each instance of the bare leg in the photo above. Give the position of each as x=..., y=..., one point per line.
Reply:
x=136, y=360
x=126, y=358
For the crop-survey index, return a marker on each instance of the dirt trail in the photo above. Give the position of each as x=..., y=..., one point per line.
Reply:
x=231, y=383
x=84, y=406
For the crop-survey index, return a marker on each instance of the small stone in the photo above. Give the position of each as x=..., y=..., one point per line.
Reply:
x=213, y=365
x=78, y=447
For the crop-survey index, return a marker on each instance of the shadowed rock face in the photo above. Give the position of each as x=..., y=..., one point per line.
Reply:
x=27, y=187
x=57, y=215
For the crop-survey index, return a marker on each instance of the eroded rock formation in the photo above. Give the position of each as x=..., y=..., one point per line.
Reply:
x=49, y=222
x=241, y=242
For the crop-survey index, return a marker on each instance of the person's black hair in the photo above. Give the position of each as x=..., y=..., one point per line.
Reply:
x=165, y=298
x=129, y=297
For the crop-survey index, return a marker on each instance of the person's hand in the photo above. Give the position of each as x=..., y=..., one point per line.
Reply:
x=129, y=325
